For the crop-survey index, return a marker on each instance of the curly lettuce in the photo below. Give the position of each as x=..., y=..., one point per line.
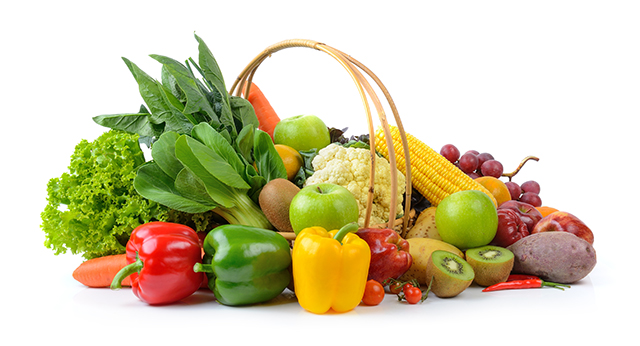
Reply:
x=93, y=208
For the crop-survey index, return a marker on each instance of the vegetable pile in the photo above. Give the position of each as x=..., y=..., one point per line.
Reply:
x=214, y=208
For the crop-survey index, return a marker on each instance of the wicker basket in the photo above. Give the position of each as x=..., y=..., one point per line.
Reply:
x=355, y=69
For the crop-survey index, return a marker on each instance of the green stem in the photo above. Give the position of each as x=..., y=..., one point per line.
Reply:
x=245, y=212
x=129, y=269
x=348, y=228
x=555, y=285
x=202, y=268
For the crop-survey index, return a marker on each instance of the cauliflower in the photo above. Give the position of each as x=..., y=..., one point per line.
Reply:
x=349, y=167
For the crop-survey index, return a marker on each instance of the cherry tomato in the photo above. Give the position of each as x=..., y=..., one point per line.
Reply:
x=396, y=287
x=373, y=293
x=412, y=294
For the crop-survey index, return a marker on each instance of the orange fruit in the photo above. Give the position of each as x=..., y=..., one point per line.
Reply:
x=546, y=210
x=291, y=158
x=497, y=188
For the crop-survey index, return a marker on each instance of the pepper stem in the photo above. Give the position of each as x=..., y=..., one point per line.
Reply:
x=348, y=228
x=555, y=285
x=129, y=269
x=202, y=268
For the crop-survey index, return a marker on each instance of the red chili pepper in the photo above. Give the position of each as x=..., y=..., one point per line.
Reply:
x=161, y=257
x=520, y=284
x=514, y=277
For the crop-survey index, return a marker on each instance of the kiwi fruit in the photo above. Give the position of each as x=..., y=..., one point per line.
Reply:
x=275, y=199
x=449, y=274
x=420, y=250
x=491, y=264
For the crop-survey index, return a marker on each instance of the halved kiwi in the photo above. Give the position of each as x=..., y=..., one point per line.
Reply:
x=492, y=264
x=451, y=274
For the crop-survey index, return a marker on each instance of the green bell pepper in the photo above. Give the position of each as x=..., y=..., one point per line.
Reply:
x=244, y=264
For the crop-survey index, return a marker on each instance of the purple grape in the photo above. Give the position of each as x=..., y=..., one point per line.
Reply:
x=484, y=157
x=531, y=186
x=450, y=152
x=514, y=190
x=491, y=168
x=531, y=198
x=468, y=162
x=473, y=175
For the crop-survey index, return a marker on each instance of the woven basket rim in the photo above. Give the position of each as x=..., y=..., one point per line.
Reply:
x=242, y=85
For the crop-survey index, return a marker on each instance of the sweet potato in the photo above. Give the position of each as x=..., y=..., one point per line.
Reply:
x=554, y=256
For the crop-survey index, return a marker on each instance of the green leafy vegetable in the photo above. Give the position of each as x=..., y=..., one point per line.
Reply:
x=306, y=170
x=337, y=136
x=93, y=207
x=268, y=160
x=180, y=100
x=208, y=153
x=211, y=175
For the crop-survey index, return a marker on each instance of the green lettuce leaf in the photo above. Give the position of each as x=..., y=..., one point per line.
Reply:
x=92, y=208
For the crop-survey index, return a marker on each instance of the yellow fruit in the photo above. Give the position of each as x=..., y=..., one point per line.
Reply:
x=497, y=188
x=291, y=158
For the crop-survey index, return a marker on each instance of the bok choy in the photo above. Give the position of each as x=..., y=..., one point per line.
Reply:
x=205, y=144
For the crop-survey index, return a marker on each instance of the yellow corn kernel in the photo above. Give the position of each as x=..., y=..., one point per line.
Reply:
x=431, y=174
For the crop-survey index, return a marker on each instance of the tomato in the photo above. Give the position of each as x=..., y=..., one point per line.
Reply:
x=373, y=293
x=412, y=294
x=396, y=287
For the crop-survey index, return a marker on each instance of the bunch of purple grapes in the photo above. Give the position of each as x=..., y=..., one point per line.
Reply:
x=528, y=192
x=473, y=163
x=476, y=164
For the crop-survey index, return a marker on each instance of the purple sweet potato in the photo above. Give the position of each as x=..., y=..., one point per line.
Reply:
x=554, y=256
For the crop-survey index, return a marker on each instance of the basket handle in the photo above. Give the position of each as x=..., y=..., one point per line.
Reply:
x=354, y=68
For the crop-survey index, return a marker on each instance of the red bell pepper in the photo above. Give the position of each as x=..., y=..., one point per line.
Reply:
x=161, y=257
x=390, y=257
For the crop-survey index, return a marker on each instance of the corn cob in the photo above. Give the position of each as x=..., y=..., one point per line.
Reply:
x=431, y=174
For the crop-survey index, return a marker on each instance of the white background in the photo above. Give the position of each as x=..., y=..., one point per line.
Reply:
x=555, y=79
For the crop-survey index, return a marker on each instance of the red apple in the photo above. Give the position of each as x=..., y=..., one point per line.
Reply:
x=511, y=228
x=528, y=213
x=390, y=257
x=561, y=221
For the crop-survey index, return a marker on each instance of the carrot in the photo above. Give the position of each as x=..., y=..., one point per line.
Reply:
x=100, y=271
x=267, y=116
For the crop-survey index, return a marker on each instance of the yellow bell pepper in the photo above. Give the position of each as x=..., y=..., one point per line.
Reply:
x=330, y=269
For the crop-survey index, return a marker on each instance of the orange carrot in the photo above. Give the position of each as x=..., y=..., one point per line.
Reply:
x=100, y=271
x=266, y=114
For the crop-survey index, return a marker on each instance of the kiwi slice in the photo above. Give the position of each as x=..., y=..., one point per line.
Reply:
x=492, y=264
x=451, y=274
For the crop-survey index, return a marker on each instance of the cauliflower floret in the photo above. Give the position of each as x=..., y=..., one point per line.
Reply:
x=349, y=167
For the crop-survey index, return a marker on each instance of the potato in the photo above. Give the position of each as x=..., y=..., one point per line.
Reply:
x=421, y=250
x=554, y=256
x=425, y=225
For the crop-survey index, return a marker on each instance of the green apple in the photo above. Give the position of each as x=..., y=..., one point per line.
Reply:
x=302, y=132
x=467, y=219
x=326, y=205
